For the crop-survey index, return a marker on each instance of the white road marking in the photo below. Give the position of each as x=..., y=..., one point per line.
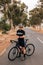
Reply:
x=39, y=39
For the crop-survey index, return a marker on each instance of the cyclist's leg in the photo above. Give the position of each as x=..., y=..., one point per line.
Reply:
x=19, y=48
x=24, y=53
x=17, y=45
x=23, y=45
x=24, y=49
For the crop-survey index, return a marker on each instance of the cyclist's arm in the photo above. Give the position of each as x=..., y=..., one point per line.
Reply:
x=22, y=36
x=17, y=36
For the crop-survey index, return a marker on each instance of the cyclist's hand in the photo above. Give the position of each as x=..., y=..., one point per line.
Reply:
x=22, y=36
x=17, y=36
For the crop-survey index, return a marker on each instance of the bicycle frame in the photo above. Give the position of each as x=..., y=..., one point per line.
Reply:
x=13, y=41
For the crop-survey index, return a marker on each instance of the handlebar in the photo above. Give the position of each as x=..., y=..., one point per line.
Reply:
x=12, y=41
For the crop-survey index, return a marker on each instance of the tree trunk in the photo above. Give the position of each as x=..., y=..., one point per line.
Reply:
x=11, y=23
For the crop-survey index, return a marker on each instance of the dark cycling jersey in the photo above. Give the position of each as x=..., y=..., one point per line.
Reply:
x=20, y=32
x=21, y=40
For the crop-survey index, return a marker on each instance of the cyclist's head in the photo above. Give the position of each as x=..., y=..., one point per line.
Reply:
x=20, y=26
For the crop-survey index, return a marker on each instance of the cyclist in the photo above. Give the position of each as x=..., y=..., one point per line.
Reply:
x=21, y=35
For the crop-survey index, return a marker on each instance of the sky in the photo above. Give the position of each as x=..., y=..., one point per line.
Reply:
x=30, y=3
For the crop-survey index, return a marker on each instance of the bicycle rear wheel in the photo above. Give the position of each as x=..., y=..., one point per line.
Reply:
x=12, y=53
x=30, y=48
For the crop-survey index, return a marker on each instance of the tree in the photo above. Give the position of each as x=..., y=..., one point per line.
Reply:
x=36, y=16
x=14, y=11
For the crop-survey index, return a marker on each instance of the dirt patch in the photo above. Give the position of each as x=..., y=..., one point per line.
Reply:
x=40, y=31
x=5, y=40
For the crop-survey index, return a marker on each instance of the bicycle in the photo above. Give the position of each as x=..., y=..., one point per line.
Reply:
x=13, y=53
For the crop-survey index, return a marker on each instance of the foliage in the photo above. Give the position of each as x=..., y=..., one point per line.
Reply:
x=15, y=11
x=6, y=27
x=36, y=16
x=3, y=2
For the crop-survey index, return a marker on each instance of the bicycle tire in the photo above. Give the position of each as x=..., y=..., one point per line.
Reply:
x=16, y=53
x=27, y=46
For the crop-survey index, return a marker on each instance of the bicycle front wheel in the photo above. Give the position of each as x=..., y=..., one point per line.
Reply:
x=12, y=53
x=30, y=48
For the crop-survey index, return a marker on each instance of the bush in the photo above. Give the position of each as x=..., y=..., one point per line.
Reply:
x=4, y=32
x=6, y=27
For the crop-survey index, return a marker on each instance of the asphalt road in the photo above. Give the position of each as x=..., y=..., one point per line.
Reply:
x=36, y=59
